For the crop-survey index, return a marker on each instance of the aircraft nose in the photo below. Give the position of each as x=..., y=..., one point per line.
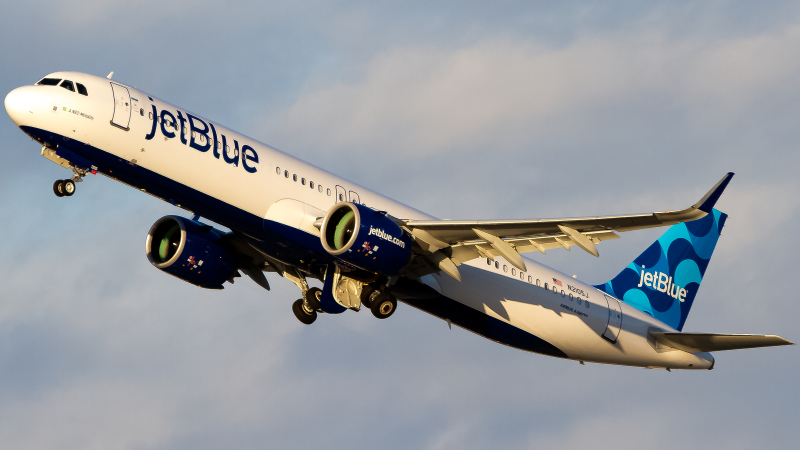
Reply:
x=18, y=103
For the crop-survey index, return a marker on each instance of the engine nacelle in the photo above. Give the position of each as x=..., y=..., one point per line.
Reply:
x=187, y=249
x=365, y=238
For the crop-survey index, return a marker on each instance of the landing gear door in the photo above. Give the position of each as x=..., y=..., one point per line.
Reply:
x=122, y=106
x=614, y=319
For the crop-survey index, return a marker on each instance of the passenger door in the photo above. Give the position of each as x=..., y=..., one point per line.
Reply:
x=122, y=106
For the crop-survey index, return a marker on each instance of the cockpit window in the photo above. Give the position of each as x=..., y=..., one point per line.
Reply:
x=82, y=89
x=48, y=82
x=68, y=85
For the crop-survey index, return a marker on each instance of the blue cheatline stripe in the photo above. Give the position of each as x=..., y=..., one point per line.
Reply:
x=280, y=241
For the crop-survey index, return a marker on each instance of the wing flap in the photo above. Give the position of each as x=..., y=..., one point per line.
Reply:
x=468, y=250
x=713, y=342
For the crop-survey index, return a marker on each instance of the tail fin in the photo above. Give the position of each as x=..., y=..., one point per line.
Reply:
x=663, y=281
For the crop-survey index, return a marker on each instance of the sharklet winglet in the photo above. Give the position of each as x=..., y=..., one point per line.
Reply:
x=706, y=204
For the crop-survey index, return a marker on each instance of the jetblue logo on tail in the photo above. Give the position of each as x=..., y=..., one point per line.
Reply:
x=664, y=280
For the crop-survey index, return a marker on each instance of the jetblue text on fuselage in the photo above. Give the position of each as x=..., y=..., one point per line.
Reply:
x=199, y=139
x=385, y=236
x=662, y=282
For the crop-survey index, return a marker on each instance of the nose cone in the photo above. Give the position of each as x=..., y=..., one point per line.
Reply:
x=19, y=102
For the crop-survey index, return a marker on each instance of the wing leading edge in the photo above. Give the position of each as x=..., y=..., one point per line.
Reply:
x=461, y=241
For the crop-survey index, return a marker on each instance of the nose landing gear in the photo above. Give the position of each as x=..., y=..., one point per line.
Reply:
x=65, y=188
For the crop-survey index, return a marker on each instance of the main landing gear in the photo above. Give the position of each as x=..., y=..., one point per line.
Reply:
x=65, y=188
x=305, y=309
x=381, y=303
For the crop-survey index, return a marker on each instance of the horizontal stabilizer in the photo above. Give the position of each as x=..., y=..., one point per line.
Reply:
x=711, y=342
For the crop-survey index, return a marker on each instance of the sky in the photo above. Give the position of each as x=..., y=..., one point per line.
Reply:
x=464, y=110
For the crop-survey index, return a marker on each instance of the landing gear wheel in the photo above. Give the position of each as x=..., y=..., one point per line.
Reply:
x=58, y=188
x=303, y=315
x=383, y=306
x=366, y=293
x=313, y=297
x=68, y=187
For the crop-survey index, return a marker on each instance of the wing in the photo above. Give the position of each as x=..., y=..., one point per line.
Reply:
x=448, y=243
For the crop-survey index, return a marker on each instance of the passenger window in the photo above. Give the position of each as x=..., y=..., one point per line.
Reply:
x=562, y=294
x=286, y=173
x=141, y=112
x=537, y=283
x=513, y=272
x=570, y=297
x=329, y=192
x=150, y=115
x=545, y=285
x=341, y=197
x=522, y=276
x=530, y=280
x=579, y=301
x=311, y=184
x=488, y=261
x=319, y=188
x=48, y=82
x=82, y=89
x=294, y=177
x=496, y=265
x=505, y=268
x=66, y=84
x=555, y=290
x=278, y=170
x=587, y=303
x=303, y=181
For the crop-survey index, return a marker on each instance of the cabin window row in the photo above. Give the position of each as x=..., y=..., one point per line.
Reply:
x=514, y=271
x=303, y=181
x=530, y=280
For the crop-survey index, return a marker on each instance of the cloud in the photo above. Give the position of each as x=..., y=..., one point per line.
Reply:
x=507, y=92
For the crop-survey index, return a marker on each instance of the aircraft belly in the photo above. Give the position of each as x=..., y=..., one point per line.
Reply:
x=541, y=313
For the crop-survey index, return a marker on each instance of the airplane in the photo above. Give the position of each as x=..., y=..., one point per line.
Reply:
x=288, y=217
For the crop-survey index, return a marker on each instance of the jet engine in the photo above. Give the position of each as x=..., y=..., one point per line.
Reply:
x=365, y=238
x=190, y=251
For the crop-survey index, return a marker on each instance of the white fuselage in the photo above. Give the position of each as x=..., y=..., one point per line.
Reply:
x=265, y=183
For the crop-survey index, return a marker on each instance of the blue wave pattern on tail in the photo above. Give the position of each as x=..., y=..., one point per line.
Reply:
x=664, y=280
